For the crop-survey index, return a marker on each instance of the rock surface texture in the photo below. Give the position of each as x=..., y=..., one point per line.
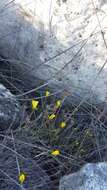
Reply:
x=9, y=109
x=61, y=41
x=90, y=177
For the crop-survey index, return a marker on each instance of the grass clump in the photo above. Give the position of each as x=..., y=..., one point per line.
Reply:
x=57, y=135
x=68, y=138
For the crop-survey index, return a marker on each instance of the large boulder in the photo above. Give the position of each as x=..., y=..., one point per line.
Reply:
x=90, y=177
x=62, y=42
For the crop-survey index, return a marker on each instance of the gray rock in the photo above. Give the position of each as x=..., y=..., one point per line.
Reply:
x=90, y=177
x=9, y=109
x=61, y=40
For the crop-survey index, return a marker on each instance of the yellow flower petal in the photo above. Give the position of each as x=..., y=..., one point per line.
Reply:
x=47, y=93
x=34, y=104
x=58, y=103
x=51, y=117
x=55, y=152
x=63, y=124
x=22, y=178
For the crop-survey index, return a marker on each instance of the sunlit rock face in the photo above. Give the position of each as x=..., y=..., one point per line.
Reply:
x=62, y=41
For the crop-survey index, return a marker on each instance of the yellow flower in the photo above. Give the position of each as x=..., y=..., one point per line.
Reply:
x=58, y=103
x=63, y=124
x=51, y=117
x=22, y=178
x=55, y=152
x=34, y=104
x=47, y=93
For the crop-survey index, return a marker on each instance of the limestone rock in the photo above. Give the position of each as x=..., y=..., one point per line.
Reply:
x=63, y=42
x=90, y=177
